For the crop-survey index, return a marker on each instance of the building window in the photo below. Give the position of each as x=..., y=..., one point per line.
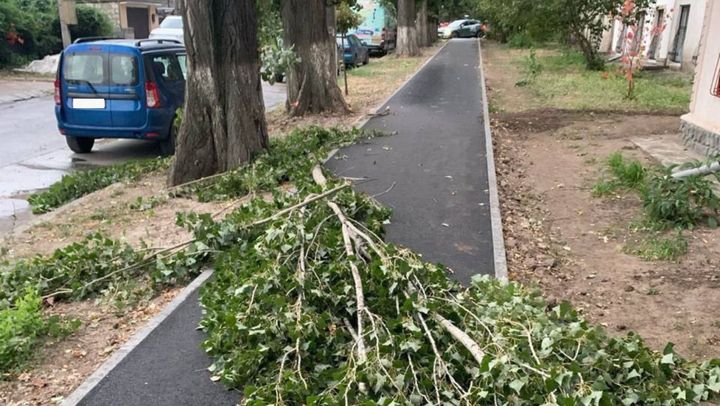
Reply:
x=677, y=51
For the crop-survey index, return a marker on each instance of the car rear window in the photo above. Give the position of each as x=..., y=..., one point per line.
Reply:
x=85, y=68
x=172, y=22
x=101, y=68
x=123, y=70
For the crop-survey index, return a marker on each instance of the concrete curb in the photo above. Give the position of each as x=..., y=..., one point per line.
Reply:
x=501, y=272
x=89, y=384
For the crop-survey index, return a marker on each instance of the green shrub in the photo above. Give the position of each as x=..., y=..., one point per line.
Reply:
x=81, y=183
x=20, y=327
x=683, y=202
x=668, y=202
x=630, y=174
x=624, y=174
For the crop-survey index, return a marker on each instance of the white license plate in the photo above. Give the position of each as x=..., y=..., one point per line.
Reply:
x=88, y=103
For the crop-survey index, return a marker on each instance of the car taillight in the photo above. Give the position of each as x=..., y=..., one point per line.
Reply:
x=152, y=96
x=58, y=95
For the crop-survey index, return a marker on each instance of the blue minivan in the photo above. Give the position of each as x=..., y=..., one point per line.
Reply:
x=120, y=89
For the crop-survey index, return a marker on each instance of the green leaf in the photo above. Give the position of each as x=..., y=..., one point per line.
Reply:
x=517, y=385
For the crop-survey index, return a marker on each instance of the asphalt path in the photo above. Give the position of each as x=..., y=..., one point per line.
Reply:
x=432, y=173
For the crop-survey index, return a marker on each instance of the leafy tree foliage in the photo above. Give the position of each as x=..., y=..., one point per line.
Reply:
x=578, y=22
x=346, y=18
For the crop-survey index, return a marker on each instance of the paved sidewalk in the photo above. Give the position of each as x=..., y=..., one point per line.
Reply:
x=433, y=172
x=17, y=90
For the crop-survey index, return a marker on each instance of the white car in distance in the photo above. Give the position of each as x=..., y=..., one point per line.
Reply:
x=170, y=28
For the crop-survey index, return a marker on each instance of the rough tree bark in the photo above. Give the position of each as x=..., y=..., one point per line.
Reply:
x=421, y=25
x=224, y=119
x=330, y=19
x=432, y=30
x=406, y=33
x=312, y=83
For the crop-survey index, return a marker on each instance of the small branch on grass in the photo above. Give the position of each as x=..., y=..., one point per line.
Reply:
x=59, y=292
x=192, y=182
x=229, y=206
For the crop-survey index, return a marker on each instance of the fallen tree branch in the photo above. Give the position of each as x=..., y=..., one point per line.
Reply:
x=359, y=296
x=320, y=179
x=461, y=337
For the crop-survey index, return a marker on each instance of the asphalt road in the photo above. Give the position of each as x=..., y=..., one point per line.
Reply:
x=34, y=155
x=433, y=171
x=437, y=165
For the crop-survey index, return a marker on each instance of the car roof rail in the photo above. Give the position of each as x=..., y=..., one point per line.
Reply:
x=90, y=39
x=157, y=40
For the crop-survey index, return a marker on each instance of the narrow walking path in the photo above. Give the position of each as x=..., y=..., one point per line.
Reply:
x=432, y=173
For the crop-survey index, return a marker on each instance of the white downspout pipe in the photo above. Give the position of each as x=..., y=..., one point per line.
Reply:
x=701, y=170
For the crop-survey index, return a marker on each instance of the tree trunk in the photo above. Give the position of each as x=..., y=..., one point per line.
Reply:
x=433, y=30
x=589, y=49
x=224, y=118
x=421, y=25
x=311, y=83
x=331, y=19
x=406, y=33
x=429, y=28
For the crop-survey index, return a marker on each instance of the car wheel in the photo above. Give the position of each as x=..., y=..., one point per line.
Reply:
x=454, y=34
x=367, y=59
x=167, y=146
x=80, y=145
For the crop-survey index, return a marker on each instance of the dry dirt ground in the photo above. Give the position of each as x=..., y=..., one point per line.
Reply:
x=571, y=244
x=142, y=211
